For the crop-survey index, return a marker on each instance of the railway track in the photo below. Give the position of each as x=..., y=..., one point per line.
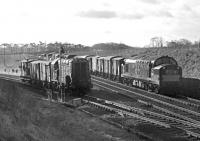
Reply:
x=180, y=109
x=192, y=104
x=10, y=77
x=160, y=120
x=165, y=117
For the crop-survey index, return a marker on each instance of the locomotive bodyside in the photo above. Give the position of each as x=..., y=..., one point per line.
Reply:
x=154, y=75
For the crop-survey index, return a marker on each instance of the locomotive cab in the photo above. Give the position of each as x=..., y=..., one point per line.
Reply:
x=80, y=75
x=167, y=76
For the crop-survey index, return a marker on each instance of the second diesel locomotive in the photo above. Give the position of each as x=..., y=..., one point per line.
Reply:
x=161, y=75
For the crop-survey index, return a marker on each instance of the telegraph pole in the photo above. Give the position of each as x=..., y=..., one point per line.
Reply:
x=4, y=61
x=60, y=74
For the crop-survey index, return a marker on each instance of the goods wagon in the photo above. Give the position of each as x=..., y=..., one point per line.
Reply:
x=35, y=71
x=101, y=66
x=71, y=73
x=95, y=64
x=25, y=70
x=60, y=74
x=108, y=64
x=190, y=87
x=38, y=71
x=89, y=58
x=68, y=56
x=117, y=68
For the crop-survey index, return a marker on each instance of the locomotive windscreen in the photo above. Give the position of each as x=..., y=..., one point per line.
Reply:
x=171, y=73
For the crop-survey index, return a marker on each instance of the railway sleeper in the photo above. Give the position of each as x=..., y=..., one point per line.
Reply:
x=124, y=113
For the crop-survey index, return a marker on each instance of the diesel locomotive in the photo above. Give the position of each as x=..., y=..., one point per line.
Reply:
x=161, y=75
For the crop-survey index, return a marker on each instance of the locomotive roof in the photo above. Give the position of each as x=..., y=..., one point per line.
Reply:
x=163, y=65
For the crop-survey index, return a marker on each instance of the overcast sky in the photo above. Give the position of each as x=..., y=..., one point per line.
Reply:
x=87, y=22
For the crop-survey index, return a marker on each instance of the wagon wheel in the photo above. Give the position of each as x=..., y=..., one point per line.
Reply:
x=157, y=90
x=146, y=86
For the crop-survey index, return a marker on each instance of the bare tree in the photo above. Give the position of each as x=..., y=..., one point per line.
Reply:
x=156, y=42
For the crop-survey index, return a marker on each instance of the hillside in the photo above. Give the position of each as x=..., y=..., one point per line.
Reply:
x=187, y=58
x=110, y=46
x=26, y=116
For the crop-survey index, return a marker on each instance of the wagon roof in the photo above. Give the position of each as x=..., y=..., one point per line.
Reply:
x=68, y=56
x=110, y=57
x=136, y=60
x=27, y=60
x=101, y=57
x=130, y=61
x=95, y=56
x=89, y=55
x=40, y=61
x=84, y=56
x=118, y=58
x=54, y=61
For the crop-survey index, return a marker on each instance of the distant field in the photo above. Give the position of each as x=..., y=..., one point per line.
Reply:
x=11, y=63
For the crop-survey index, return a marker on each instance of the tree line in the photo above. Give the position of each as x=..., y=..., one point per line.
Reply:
x=159, y=42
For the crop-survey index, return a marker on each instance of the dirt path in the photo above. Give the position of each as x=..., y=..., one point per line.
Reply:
x=25, y=117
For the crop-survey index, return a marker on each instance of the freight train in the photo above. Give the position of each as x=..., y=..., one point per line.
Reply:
x=161, y=75
x=66, y=73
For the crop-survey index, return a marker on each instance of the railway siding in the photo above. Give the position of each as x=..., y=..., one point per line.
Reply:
x=147, y=116
x=148, y=97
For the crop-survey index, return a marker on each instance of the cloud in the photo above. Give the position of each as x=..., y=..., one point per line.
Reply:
x=187, y=8
x=98, y=14
x=164, y=13
x=151, y=1
x=133, y=16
